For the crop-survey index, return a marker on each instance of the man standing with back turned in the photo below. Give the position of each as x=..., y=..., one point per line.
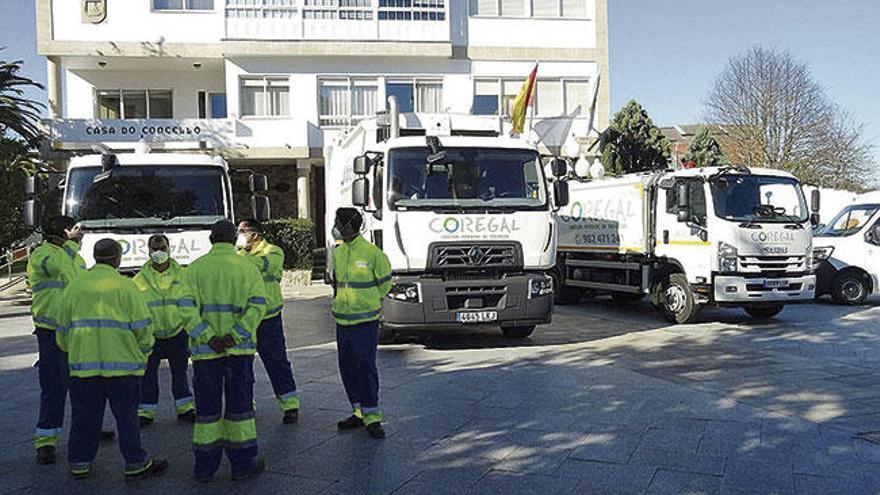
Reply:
x=271, y=347
x=230, y=292
x=361, y=278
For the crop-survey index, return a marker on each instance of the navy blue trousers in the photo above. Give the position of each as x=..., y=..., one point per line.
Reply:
x=88, y=397
x=53, y=372
x=356, y=351
x=176, y=351
x=273, y=353
x=213, y=379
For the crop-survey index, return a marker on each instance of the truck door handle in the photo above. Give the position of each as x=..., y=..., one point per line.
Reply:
x=665, y=237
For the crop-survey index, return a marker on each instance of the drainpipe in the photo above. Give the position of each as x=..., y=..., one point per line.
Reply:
x=394, y=112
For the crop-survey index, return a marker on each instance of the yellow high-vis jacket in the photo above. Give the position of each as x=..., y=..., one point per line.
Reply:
x=105, y=325
x=49, y=271
x=362, y=276
x=269, y=259
x=170, y=300
x=231, y=297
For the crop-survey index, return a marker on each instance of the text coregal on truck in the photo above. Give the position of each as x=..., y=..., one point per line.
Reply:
x=132, y=196
x=723, y=236
x=465, y=216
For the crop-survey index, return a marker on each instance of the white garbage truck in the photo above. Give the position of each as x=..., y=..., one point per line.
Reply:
x=132, y=196
x=464, y=214
x=723, y=236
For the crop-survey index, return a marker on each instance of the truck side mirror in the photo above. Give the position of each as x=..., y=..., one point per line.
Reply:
x=684, y=216
x=682, y=198
x=32, y=213
x=361, y=165
x=260, y=207
x=33, y=185
x=560, y=193
x=558, y=167
x=873, y=235
x=814, y=219
x=360, y=192
x=815, y=200
x=258, y=183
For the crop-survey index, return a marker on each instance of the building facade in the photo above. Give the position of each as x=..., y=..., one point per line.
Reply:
x=270, y=83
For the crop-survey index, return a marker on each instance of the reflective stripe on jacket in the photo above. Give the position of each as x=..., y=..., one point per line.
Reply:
x=106, y=327
x=269, y=259
x=231, y=297
x=170, y=300
x=362, y=277
x=50, y=269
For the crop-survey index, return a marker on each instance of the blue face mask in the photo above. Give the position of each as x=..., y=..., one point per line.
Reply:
x=159, y=257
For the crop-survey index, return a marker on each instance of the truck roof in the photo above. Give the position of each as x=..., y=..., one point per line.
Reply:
x=462, y=141
x=707, y=171
x=188, y=159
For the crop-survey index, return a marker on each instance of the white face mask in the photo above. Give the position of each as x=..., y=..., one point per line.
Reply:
x=159, y=257
x=241, y=241
x=337, y=235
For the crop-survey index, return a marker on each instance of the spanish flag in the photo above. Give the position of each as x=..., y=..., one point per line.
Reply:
x=521, y=103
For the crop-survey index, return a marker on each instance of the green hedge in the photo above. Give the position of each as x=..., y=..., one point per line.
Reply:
x=296, y=236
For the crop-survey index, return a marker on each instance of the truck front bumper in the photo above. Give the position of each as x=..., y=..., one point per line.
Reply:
x=741, y=290
x=443, y=300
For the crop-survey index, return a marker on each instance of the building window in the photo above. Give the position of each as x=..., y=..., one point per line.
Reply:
x=540, y=8
x=485, y=98
x=265, y=96
x=416, y=95
x=133, y=104
x=183, y=4
x=412, y=10
x=352, y=10
x=261, y=9
x=553, y=97
x=577, y=97
x=212, y=105
x=343, y=101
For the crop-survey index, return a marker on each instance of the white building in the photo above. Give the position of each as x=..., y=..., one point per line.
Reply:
x=269, y=83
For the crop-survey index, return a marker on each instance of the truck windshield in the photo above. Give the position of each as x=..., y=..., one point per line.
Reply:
x=473, y=178
x=758, y=199
x=148, y=194
x=849, y=221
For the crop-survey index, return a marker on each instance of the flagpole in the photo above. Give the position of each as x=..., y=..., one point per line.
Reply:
x=532, y=101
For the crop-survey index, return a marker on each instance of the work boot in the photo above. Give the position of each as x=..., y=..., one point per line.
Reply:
x=156, y=468
x=46, y=455
x=290, y=416
x=258, y=468
x=145, y=421
x=376, y=431
x=350, y=423
x=81, y=473
x=107, y=435
x=187, y=417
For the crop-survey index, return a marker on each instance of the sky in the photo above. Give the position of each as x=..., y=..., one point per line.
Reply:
x=666, y=53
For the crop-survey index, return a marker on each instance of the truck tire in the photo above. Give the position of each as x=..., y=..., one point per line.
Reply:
x=563, y=295
x=387, y=336
x=764, y=312
x=626, y=297
x=677, y=303
x=850, y=288
x=517, y=332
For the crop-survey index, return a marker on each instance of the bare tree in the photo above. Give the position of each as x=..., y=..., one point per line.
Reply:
x=776, y=115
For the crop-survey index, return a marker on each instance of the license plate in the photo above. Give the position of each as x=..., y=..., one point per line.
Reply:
x=775, y=284
x=477, y=317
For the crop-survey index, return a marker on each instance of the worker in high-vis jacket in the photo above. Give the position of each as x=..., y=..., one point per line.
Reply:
x=361, y=278
x=51, y=267
x=175, y=315
x=230, y=292
x=271, y=345
x=105, y=329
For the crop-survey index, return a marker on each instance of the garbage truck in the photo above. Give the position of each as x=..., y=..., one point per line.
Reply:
x=725, y=236
x=464, y=213
x=132, y=196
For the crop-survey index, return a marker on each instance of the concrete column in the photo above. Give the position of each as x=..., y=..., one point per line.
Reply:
x=303, y=189
x=53, y=87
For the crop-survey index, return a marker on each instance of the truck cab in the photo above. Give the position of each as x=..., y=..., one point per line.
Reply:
x=847, y=253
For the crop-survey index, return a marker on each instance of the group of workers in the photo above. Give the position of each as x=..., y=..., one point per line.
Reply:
x=102, y=336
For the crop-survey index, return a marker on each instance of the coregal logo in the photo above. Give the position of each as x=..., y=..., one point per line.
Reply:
x=773, y=236
x=468, y=225
x=619, y=210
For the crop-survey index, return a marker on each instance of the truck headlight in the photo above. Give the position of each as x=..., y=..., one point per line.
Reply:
x=541, y=286
x=727, y=257
x=406, y=291
x=822, y=253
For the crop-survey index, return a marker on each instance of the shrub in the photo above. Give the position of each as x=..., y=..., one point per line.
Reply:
x=296, y=236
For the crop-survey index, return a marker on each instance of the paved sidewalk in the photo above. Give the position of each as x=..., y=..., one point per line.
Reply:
x=605, y=400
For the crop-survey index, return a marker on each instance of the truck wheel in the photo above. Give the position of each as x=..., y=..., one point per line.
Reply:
x=517, y=332
x=387, y=336
x=849, y=288
x=677, y=302
x=764, y=312
x=626, y=297
x=563, y=295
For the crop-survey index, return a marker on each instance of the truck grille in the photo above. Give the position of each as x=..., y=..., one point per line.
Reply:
x=475, y=255
x=772, y=264
x=475, y=297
